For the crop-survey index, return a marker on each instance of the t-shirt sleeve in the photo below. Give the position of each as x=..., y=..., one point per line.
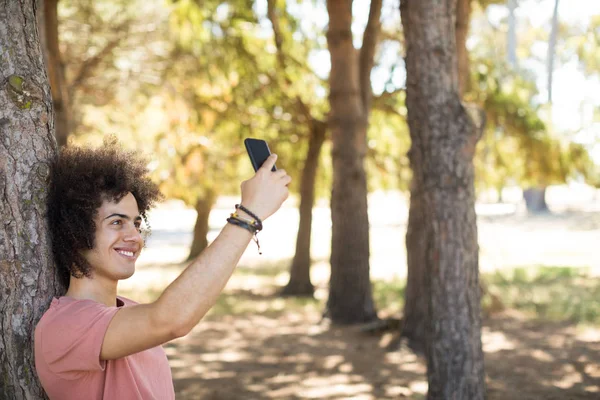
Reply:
x=72, y=340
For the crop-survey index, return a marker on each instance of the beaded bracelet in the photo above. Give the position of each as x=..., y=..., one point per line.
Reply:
x=250, y=228
x=256, y=224
x=250, y=213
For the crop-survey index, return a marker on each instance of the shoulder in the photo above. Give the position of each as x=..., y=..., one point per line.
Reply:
x=62, y=308
x=67, y=316
x=69, y=336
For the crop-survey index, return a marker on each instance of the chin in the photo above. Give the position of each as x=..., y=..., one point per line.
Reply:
x=126, y=274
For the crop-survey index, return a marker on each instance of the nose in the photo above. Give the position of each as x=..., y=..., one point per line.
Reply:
x=133, y=235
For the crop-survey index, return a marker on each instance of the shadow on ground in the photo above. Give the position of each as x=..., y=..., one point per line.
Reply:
x=278, y=353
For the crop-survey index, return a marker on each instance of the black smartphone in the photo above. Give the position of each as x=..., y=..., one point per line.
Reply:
x=258, y=150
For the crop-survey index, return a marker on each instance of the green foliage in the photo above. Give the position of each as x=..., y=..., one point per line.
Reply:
x=518, y=147
x=584, y=44
x=112, y=54
x=234, y=83
x=388, y=144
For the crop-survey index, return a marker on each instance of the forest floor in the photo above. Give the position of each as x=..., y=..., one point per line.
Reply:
x=543, y=344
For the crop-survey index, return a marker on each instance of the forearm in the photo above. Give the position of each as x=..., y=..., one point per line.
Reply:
x=189, y=297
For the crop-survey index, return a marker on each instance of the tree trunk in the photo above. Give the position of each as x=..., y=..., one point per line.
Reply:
x=415, y=297
x=203, y=207
x=463, y=18
x=415, y=305
x=551, y=49
x=535, y=200
x=55, y=68
x=441, y=156
x=511, y=49
x=350, y=298
x=299, y=283
x=28, y=279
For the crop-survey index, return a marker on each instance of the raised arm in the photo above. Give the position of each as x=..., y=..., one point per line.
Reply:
x=189, y=297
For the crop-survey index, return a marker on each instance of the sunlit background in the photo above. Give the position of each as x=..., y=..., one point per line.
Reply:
x=184, y=82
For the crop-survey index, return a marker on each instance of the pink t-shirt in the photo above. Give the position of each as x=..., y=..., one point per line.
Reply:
x=68, y=340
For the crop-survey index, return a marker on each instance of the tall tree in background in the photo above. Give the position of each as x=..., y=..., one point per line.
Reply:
x=511, y=43
x=27, y=276
x=350, y=297
x=552, y=49
x=444, y=138
x=299, y=283
x=463, y=20
x=84, y=42
x=56, y=71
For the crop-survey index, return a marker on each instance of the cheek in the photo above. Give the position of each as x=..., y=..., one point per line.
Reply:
x=107, y=239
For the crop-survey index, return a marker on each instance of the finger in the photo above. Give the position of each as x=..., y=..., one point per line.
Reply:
x=280, y=173
x=269, y=162
x=286, y=180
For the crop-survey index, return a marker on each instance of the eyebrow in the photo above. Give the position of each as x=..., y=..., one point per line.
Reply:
x=138, y=218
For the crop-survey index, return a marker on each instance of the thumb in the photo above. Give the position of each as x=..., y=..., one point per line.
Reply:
x=269, y=163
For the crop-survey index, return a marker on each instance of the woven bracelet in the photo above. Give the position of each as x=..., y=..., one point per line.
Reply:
x=248, y=227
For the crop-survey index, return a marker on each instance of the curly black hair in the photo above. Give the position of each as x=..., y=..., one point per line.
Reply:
x=80, y=180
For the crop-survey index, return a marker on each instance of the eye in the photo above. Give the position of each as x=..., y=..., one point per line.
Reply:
x=117, y=222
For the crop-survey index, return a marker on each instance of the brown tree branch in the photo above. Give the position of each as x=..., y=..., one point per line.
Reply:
x=87, y=67
x=367, y=52
x=382, y=103
x=281, y=57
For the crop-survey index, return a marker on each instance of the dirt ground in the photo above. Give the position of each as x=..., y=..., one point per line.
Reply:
x=294, y=355
x=254, y=345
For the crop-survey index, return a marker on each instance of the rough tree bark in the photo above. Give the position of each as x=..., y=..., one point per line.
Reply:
x=28, y=278
x=415, y=304
x=350, y=297
x=443, y=217
x=300, y=283
x=200, y=241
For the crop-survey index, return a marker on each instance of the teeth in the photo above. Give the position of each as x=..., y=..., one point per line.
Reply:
x=125, y=253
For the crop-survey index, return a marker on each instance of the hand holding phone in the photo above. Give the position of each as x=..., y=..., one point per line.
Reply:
x=259, y=151
x=264, y=193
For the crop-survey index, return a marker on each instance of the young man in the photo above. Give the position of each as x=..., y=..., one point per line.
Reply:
x=93, y=344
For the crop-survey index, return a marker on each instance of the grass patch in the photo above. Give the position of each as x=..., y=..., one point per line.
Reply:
x=389, y=296
x=550, y=293
x=273, y=306
x=269, y=269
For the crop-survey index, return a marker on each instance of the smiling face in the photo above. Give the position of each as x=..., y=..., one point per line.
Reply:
x=118, y=240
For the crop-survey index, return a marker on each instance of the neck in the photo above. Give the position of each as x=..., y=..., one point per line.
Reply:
x=100, y=290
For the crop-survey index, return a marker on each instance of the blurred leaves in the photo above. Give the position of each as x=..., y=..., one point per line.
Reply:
x=188, y=80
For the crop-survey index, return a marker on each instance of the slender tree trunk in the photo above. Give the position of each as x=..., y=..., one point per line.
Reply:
x=28, y=279
x=299, y=283
x=499, y=190
x=463, y=18
x=441, y=156
x=415, y=305
x=551, y=49
x=350, y=298
x=511, y=50
x=55, y=68
x=203, y=207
